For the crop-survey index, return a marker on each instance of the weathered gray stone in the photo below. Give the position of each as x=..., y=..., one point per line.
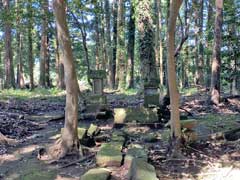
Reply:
x=96, y=174
x=97, y=74
x=109, y=154
x=135, y=115
x=141, y=170
x=151, y=96
x=137, y=152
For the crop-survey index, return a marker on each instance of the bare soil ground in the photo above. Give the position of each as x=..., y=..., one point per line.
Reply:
x=30, y=123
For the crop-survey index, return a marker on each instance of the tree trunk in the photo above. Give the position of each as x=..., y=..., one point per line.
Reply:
x=131, y=46
x=172, y=80
x=59, y=65
x=216, y=63
x=109, y=45
x=9, y=71
x=120, y=61
x=44, y=45
x=114, y=43
x=208, y=44
x=20, y=77
x=146, y=42
x=201, y=50
x=30, y=43
x=69, y=140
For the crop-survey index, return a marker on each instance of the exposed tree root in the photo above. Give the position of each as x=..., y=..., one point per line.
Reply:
x=56, y=151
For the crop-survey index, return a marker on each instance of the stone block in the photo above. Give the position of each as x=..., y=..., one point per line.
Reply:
x=109, y=155
x=96, y=174
x=135, y=115
x=141, y=170
x=136, y=152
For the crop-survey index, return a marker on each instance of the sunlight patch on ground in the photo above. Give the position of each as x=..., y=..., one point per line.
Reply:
x=8, y=157
x=27, y=149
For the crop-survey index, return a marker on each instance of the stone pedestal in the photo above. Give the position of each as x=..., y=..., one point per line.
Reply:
x=98, y=96
x=151, y=96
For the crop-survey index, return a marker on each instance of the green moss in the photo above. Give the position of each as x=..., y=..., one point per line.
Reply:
x=135, y=115
x=109, y=154
x=97, y=99
x=96, y=174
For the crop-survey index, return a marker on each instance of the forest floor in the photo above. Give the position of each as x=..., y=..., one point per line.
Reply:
x=35, y=120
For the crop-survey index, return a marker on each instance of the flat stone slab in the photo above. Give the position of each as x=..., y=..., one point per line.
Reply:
x=135, y=115
x=96, y=174
x=109, y=155
x=141, y=170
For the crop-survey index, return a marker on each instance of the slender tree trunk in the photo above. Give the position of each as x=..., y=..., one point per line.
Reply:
x=9, y=71
x=121, y=60
x=1, y=72
x=109, y=45
x=44, y=45
x=114, y=43
x=20, y=77
x=208, y=44
x=146, y=42
x=172, y=79
x=131, y=47
x=69, y=138
x=216, y=63
x=30, y=43
x=104, y=55
x=201, y=50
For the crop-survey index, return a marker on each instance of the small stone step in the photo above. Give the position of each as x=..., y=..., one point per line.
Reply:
x=96, y=174
x=109, y=154
x=141, y=170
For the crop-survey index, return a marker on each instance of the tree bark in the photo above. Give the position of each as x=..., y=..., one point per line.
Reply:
x=109, y=44
x=30, y=43
x=131, y=46
x=208, y=44
x=9, y=71
x=114, y=43
x=20, y=77
x=216, y=63
x=69, y=140
x=172, y=79
x=44, y=45
x=120, y=60
x=59, y=64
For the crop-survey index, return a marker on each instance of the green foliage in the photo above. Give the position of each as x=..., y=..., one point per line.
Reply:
x=26, y=94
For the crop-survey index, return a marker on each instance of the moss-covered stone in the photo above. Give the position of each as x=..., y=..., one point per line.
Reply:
x=151, y=99
x=141, y=170
x=135, y=115
x=109, y=154
x=137, y=152
x=96, y=174
x=93, y=130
